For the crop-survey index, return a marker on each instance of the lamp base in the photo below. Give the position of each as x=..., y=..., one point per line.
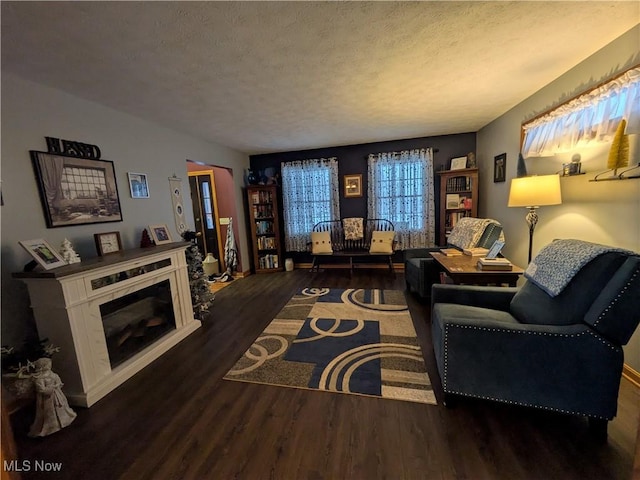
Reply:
x=532, y=221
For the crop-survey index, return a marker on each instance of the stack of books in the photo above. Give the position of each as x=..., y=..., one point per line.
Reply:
x=450, y=252
x=476, y=251
x=494, y=264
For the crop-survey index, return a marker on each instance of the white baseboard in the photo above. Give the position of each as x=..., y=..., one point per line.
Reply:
x=632, y=375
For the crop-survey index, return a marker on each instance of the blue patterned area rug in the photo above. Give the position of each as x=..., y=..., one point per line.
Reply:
x=353, y=341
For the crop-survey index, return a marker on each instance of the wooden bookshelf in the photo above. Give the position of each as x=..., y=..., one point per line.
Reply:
x=264, y=217
x=458, y=198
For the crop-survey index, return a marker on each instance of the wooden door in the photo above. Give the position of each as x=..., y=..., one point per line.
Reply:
x=205, y=212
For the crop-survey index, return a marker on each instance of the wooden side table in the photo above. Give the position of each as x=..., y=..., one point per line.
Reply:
x=462, y=269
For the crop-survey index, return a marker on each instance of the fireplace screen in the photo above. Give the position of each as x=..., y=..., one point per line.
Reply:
x=134, y=321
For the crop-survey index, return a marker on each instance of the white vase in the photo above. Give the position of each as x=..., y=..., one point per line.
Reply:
x=210, y=265
x=288, y=265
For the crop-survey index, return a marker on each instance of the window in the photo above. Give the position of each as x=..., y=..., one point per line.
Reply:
x=207, y=202
x=401, y=190
x=589, y=118
x=310, y=195
x=83, y=183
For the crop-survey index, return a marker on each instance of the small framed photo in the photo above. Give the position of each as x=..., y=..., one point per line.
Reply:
x=458, y=163
x=495, y=249
x=43, y=253
x=108, y=242
x=353, y=185
x=499, y=167
x=160, y=234
x=138, y=185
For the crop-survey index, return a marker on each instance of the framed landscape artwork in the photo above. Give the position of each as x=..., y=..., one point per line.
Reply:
x=76, y=191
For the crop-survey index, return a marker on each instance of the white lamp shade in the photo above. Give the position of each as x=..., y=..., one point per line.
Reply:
x=535, y=191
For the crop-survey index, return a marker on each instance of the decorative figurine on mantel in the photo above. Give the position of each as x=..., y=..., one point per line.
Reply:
x=68, y=253
x=52, y=409
x=146, y=241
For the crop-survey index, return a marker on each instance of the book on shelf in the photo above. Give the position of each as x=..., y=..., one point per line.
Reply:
x=459, y=184
x=476, y=251
x=269, y=261
x=453, y=200
x=450, y=252
x=453, y=217
x=266, y=243
x=494, y=264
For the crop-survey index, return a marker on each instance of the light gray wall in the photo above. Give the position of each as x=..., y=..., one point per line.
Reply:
x=30, y=112
x=603, y=212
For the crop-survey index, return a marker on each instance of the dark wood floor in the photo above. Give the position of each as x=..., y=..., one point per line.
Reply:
x=178, y=419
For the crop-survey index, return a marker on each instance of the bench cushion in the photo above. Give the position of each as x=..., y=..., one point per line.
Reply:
x=321, y=242
x=353, y=228
x=382, y=242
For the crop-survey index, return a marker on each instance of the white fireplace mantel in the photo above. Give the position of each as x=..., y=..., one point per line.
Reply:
x=66, y=304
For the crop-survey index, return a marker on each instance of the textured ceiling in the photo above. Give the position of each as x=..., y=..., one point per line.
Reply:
x=275, y=76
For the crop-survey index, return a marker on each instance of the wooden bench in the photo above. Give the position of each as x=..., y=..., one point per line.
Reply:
x=352, y=248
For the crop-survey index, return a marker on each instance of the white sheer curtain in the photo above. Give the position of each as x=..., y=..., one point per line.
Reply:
x=310, y=195
x=401, y=190
x=592, y=117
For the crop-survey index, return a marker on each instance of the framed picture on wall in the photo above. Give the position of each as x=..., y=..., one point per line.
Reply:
x=138, y=185
x=76, y=191
x=499, y=167
x=353, y=185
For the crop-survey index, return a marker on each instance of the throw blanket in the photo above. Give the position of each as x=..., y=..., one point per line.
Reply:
x=557, y=263
x=468, y=231
x=353, y=229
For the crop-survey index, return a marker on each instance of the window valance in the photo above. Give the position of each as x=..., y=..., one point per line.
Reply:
x=589, y=118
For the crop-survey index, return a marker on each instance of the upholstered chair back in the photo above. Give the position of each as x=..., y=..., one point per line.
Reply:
x=472, y=232
x=492, y=232
x=615, y=313
x=603, y=293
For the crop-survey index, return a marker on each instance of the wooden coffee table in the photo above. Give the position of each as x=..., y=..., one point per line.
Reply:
x=463, y=270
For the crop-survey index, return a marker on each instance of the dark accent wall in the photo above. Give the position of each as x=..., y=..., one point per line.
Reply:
x=352, y=159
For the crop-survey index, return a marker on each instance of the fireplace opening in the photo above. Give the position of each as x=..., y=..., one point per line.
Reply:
x=134, y=321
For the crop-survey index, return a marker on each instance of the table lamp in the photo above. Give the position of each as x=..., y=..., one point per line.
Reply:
x=533, y=192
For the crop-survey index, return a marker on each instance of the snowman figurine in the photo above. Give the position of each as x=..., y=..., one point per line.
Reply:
x=68, y=253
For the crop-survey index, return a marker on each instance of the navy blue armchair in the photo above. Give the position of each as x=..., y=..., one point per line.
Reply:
x=526, y=347
x=421, y=271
